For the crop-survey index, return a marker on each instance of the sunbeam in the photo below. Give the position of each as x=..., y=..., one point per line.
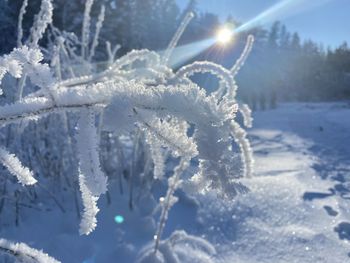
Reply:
x=185, y=53
x=282, y=9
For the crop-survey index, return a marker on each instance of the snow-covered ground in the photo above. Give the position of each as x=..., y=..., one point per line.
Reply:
x=297, y=209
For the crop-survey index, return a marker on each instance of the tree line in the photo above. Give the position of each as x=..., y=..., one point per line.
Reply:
x=282, y=67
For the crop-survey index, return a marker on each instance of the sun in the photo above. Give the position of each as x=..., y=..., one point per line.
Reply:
x=224, y=35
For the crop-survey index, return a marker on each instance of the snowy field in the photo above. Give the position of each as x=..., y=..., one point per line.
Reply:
x=297, y=209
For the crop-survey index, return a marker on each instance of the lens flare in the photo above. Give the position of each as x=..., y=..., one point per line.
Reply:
x=119, y=219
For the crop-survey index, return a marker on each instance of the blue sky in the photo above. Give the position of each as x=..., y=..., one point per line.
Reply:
x=326, y=21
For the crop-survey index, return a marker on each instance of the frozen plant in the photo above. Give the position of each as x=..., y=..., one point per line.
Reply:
x=180, y=247
x=99, y=24
x=138, y=96
x=11, y=162
x=22, y=253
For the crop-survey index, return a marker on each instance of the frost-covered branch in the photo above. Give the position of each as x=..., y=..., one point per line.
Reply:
x=89, y=160
x=23, y=253
x=129, y=103
x=111, y=52
x=99, y=23
x=220, y=72
x=26, y=62
x=176, y=139
x=88, y=221
x=20, y=23
x=240, y=137
x=247, y=115
x=173, y=43
x=178, y=247
x=240, y=62
x=42, y=20
x=15, y=167
x=85, y=32
x=169, y=200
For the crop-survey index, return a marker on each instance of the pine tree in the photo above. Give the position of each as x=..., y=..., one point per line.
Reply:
x=295, y=43
x=284, y=38
x=272, y=41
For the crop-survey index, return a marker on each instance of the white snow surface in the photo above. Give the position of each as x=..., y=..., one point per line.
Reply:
x=297, y=209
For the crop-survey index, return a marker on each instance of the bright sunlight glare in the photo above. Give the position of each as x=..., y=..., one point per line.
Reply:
x=224, y=35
